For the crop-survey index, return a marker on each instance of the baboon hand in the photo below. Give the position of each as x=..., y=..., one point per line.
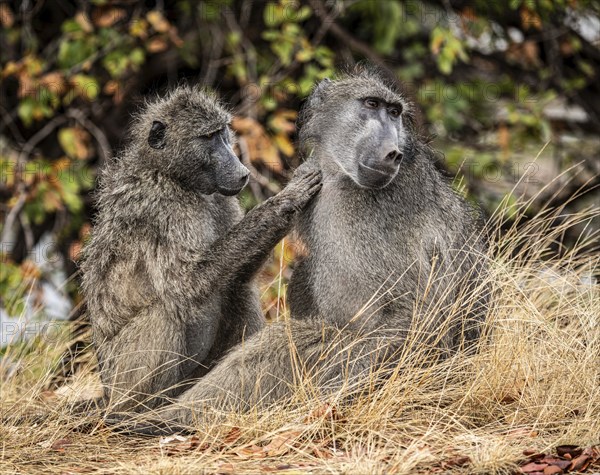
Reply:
x=304, y=186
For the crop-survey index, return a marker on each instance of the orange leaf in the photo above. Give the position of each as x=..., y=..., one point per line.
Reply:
x=324, y=411
x=252, y=452
x=284, y=144
x=552, y=470
x=233, y=435
x=7, y=17
x=284, y=121
x=533, y=467
x=84, y=22
x=258, y=145
x=60, y=445
x=156, y=45
x=55, y=82
x=107, y=16
x=158, y=21
x=226, y=468
x=281, y=444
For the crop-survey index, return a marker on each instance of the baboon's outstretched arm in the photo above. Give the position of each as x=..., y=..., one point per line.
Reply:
x=238, y=255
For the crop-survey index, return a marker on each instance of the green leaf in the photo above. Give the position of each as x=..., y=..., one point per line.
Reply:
x=87, y=86
x=304, y=13
x=25, y=110
x=67, y=140
x=137, y=56
x=71, y=53
x=272, y=15
x=71, y=26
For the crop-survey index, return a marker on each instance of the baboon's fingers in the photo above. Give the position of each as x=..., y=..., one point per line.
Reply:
x=315, y=188
x=307, y=182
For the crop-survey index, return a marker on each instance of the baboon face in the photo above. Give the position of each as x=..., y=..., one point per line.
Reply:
x=368, y=139
x=373, y=154
x=190, y=140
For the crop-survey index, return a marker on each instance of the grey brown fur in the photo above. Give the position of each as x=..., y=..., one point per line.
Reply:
x=168, y=273
x=401, y=238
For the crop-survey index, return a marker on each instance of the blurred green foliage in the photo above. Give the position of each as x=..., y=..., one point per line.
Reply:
x=483, y=73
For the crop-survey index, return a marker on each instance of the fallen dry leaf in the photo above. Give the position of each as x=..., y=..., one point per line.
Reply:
x=553, y=470
x=281, y=443
x=322, y=452
x=60, y=445
x=324, y=411
x=226, y=468
x=562, y=464
x=572, y=450
x=252, y=452
x=571, y=458
x=177, y=444
x=533, y=467
x=580, y=463
x=232, y=436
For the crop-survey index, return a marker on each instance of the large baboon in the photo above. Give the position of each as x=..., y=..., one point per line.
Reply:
x=168, y=273
x=393, y=253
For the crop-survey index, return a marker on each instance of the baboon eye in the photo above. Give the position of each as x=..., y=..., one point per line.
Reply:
x=209, y=135
x=212, y=134
x=372, y=103
x=395, y=112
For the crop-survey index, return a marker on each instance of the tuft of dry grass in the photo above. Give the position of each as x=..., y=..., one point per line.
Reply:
x=534, y=384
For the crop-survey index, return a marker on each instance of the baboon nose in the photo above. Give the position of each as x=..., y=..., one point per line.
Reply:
x=244, y=178
x=393, y=156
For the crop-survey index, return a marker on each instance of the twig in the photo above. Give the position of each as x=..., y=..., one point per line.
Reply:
x=211, y=66
x=39, y=136
x=255, y=173
x=8, y=120
x=100, y=137
x=248, y=105
x=27, y=232
x=21, y=159
x=12, y=216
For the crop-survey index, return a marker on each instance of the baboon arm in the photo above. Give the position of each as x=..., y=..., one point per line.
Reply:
x=238, y=255
x=235, y=257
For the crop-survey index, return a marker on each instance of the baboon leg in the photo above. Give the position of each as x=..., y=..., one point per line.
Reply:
x=139, y=370
x=278, y=361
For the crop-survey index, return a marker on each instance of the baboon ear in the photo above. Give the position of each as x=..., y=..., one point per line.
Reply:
x=318, y=94
x=156, y=138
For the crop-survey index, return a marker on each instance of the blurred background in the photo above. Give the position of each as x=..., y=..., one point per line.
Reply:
x=509, y=93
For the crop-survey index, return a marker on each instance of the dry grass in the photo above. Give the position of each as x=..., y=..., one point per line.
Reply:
x=534, y=384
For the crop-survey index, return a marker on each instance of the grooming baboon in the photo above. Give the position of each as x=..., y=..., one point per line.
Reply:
x=168, y=273
x=393, y=254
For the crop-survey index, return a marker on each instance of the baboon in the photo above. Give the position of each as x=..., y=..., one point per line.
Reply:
x=168, y=272
x=393, y=253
